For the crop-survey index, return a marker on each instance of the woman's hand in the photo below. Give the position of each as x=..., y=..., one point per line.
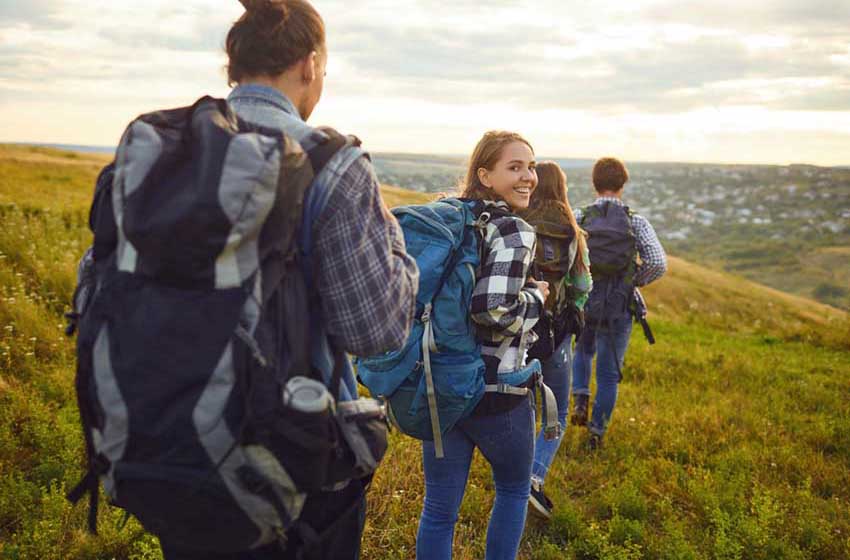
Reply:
x=541, y=285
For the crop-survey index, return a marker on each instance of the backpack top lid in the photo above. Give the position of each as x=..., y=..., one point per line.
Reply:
x=434, y=232
x=193, y=190
x=611, y=240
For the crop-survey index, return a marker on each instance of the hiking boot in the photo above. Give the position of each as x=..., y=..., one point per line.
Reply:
x=579, y=415
x=594, y=443
x=539, y=502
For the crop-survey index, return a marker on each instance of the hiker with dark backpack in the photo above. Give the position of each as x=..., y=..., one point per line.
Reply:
x=238, y=255
x=562, y=260
x=625, y=253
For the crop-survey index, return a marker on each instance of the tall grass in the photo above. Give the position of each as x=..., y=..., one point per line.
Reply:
x=731, y=438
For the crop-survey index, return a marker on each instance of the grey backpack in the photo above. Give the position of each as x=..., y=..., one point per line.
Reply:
x=204, y=411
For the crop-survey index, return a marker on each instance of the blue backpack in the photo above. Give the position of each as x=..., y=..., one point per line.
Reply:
x=437, y=378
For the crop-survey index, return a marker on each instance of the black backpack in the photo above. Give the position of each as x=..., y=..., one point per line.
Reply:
x=554, y=257
x=195, y=326
x=613, y=262
x=612, y=247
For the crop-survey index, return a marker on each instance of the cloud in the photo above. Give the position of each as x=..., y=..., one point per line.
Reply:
x=460, y=65
x=821, y=19
x=180, y=28
x=42, y=14
x=659, y=73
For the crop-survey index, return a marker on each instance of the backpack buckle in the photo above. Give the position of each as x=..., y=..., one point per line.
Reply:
x=483, y=219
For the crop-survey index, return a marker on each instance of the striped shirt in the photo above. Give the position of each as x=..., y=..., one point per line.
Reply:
x=653, y=259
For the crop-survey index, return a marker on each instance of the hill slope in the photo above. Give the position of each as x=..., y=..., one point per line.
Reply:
x=731, y=438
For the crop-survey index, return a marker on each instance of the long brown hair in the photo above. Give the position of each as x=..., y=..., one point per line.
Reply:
x=485, y=155
x=552, y=189
x=271, y=36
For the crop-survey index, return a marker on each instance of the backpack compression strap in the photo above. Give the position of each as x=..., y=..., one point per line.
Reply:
x=429, y=344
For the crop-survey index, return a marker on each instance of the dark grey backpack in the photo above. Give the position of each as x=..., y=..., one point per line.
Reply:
x=613, y=261
x=194, y=319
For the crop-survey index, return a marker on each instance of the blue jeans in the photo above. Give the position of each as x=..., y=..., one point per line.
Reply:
x=506, y=441
x=557, y=371
x=606, y=343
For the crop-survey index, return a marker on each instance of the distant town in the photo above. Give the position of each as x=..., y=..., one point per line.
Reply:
x=785, y=226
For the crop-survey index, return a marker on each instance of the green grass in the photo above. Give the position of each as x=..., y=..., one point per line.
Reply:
x=722, y=446
x=813, y=270
x=731, y=438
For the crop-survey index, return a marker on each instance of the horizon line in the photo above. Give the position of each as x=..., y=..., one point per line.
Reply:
x=103, y=149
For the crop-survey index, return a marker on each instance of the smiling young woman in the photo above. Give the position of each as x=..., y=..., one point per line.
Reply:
x=506, y=304
x=502, y=167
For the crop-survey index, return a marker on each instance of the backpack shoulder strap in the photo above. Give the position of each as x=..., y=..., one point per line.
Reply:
x=324, y=149
x=101, y=218
x=320, y=148
x=589, y=212
x=315, y=201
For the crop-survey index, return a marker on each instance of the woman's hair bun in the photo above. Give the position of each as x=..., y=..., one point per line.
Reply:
x=250, y=5
x=264, y=6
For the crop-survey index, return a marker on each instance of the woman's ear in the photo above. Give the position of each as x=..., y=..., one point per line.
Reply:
x=308, y=69
x=484, y=177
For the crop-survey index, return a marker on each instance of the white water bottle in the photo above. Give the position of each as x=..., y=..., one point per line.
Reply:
x=306, y=395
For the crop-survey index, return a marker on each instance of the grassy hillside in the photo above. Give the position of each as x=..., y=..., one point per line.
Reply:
x=731, y=438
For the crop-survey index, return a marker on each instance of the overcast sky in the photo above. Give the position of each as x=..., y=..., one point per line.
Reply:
x=764, y=81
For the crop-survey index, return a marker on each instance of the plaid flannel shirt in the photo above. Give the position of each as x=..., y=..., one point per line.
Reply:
x=653, y=259
x=366, y=281
x=504, y=304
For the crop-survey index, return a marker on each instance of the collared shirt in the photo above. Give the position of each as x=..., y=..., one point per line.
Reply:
x=366, y=281
x=653, y=259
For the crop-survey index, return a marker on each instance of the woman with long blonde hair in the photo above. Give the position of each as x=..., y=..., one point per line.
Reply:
x=562, y=253
x=506, y=304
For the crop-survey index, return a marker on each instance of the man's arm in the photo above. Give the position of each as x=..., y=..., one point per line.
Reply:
x=653, y=259
x=366, y=280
